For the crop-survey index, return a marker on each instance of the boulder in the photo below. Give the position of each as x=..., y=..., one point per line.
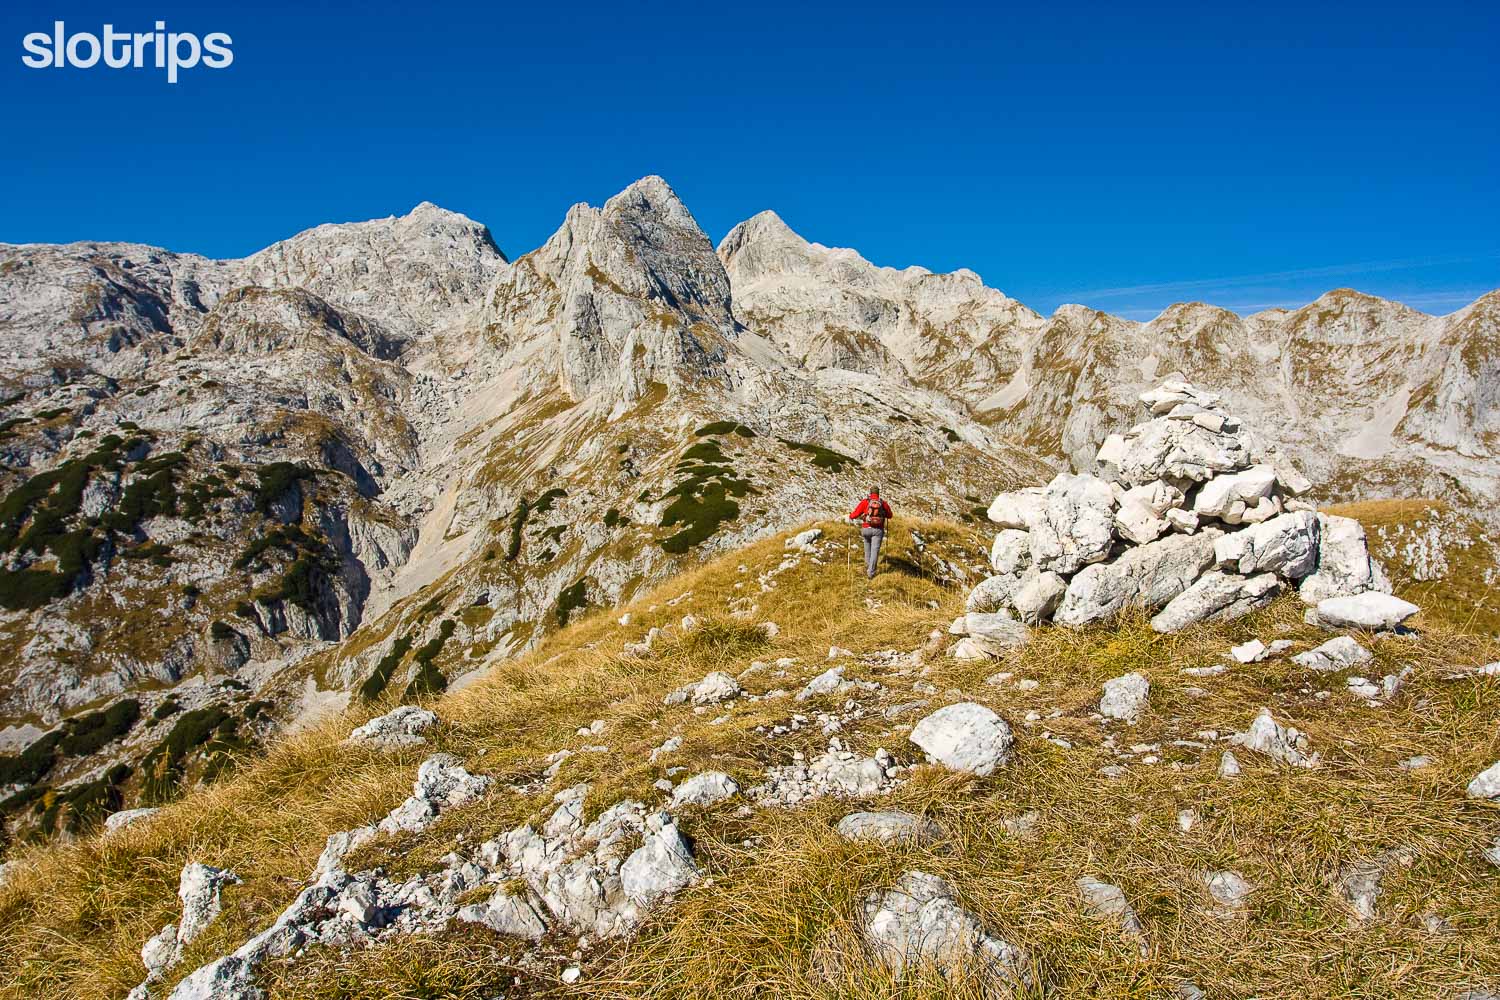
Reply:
x=1076, y=526
x=662, y=865
x=1125, y=697
x=400, y=727
x=1286, y=545
x=512, y=914
x=1147, y=575
x=992, y=594
x=1344, y=566
x=1181, y=520
x=964, y=737
x=997, y=631
x=1217, y=497
x=1017, y=509
x=1135, y=522
x=1178, y=450
x=1011, y=552
x=1371, y=610
x=1037, y=596
x=1217, y=596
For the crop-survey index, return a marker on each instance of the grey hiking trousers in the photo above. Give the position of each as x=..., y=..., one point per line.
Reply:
x=872, y=538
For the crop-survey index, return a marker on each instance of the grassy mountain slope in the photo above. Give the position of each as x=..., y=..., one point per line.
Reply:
x=780, y=887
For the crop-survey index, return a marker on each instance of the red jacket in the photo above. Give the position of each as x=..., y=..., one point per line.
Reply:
x=864, y=508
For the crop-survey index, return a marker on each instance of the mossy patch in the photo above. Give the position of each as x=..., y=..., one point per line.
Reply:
x=725, y=427
x=428, y=679
x=375, y=684
x=573, y=598
x=76, y=737
x=210, y=732
x=703, y=499
x=275, y=480
x=823, y=458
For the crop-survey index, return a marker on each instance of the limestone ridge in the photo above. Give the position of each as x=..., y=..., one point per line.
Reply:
x=1189, y=516
x=1369, y=396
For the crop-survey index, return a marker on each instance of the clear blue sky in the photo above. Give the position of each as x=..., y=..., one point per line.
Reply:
x=1121, y=155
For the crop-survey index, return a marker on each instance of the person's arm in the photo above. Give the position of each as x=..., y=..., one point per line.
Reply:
x=855, y=514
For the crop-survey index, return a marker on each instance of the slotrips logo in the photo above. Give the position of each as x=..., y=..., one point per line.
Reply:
x=173, y=51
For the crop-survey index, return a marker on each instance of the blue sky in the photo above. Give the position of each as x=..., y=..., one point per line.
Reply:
x=1114, y=154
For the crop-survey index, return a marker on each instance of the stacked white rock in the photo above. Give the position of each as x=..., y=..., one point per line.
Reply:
x=1186, y=515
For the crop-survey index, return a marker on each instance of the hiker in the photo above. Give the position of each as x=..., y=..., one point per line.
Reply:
x=872, y=515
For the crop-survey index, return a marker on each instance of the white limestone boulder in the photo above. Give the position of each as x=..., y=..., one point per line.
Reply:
x=1076, y=525
x=1217, y=596
x=919, y=923
x=964, y=737
x=890, y=827
x=1017, y=509
x=1371, y=611
x=1125, y=697
x=1286, y=545
x=1145, y=575
x=1345, y=566
x=1011, y=552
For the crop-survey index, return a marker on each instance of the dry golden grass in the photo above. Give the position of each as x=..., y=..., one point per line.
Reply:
x=780, y=886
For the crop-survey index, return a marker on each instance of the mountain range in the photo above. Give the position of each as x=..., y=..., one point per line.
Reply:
x=244, y=492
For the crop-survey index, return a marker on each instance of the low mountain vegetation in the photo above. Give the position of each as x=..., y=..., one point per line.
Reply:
x=777, y=904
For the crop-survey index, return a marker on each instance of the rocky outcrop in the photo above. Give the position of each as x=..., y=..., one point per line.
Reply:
x=1188, y=516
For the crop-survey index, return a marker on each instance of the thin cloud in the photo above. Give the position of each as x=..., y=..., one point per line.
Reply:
x=1332, y=270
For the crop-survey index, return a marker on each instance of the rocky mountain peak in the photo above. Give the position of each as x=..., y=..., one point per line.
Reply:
x=762, y=229
x=651, y=201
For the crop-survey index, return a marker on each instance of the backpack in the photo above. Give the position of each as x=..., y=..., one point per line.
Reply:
x=874, y=512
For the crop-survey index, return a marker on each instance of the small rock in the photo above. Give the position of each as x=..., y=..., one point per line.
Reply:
x=1229, y=892
x=1109, y=900
x=1281, y=743
x=1125, y=697
x=704, y=789
x=126, y=817
x=1340, y=653
x=888, y=827
x=401, y=727
x=1251, y=652
x=1486, y=785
